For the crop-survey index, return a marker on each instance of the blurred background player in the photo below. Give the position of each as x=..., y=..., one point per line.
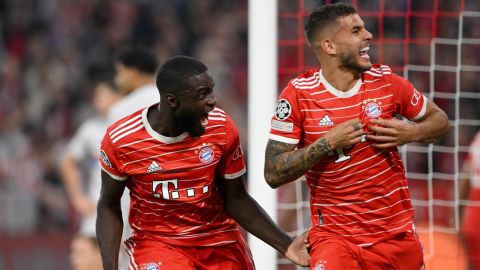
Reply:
x=135, y=69
x=470, y=190
x=84, y=253
x=183, y=163
x=82, y=152
x=336, y=125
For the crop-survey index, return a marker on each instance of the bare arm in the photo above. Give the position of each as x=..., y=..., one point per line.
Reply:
x=109, y=220
x=71, y=178
x=284, y=163
x=251, y=216
x=394, y=132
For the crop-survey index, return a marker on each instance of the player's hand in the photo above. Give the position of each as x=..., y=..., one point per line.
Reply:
x=345, y=134
x=83, y=205
x=297, y=251
x=390, y=132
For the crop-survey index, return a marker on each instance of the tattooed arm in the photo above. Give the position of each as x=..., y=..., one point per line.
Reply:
x=284, y=163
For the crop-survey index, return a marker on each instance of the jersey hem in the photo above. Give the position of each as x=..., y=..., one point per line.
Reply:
x=283, y=139
x=422, y=111
x=116, y=177
x=235, y=175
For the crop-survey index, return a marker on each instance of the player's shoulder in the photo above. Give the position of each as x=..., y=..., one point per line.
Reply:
x=307, y=80
x=218, y=117
x=377, y=71
x=124, y=125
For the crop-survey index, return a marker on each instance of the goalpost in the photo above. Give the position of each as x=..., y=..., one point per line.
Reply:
x=262, y=88
x=434, y=44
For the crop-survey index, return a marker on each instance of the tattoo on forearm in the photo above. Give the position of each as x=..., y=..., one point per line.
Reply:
x=283, y=164
x=318, y=149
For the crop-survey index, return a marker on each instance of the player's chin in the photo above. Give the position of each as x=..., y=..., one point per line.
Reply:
x=364, y=64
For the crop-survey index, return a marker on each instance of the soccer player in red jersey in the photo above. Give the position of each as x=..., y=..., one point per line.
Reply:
x=470, y=190
x=183, y=164
x=337, y=127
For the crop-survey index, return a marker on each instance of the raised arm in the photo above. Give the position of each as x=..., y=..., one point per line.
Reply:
x=393, y=132
x=109, y=220
x=284, y=163
x=251, y=216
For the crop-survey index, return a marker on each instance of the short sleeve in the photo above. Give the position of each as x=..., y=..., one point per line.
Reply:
x=409, y=102
x=109, y=161
x=286, y=123
x=232, y=164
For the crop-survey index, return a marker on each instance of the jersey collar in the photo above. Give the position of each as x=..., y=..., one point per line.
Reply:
x=158, y=136
x=341, y=94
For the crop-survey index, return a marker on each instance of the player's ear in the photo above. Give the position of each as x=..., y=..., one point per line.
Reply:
x=171, y=100
x=327, y=46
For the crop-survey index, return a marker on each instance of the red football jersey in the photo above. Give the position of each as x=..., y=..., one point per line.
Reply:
x=172, y=181
x=358, y=193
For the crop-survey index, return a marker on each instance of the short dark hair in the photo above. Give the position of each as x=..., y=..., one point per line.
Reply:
x=324, y=16
x=138, y=57
x=173, y=74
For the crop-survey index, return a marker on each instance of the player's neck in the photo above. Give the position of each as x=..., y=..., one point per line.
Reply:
x=161, y=121
x=342, y=80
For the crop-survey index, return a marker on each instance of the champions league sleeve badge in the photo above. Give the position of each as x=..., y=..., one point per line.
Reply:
x=283, y=109
x=372, y=108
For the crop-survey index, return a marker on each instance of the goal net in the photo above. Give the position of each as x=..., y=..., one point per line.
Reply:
x=436, y=45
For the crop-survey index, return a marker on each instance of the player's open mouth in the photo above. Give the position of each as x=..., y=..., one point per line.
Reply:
x=364, y=52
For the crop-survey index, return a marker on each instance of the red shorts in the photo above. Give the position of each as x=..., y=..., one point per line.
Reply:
x=155, y=255
x=402, y=252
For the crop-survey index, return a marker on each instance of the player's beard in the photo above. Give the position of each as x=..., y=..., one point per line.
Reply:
x=190, y=122
x=350, y=62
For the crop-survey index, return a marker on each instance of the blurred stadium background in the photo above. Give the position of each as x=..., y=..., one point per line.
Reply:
x=51, y=52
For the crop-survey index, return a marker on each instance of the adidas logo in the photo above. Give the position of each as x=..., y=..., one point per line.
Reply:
x=154, y=167
x=325, y=121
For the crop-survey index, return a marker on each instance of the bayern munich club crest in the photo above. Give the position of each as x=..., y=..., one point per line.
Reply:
x=372, y=108
x=320, y=265
x=151, y=266
x=206, y=153
x=283, y=109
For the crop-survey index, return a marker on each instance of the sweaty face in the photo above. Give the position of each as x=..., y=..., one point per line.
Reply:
x=195, y=103
x=352, y=42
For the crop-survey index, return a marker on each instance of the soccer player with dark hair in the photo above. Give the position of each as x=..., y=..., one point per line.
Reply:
x=183, y=163
x=337, y=126
x=135, y=68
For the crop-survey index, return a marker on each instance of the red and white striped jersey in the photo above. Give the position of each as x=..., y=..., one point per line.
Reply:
x=359, y=193
x=173, y=180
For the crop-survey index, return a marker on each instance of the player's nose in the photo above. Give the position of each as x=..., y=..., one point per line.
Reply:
x=212, y=100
